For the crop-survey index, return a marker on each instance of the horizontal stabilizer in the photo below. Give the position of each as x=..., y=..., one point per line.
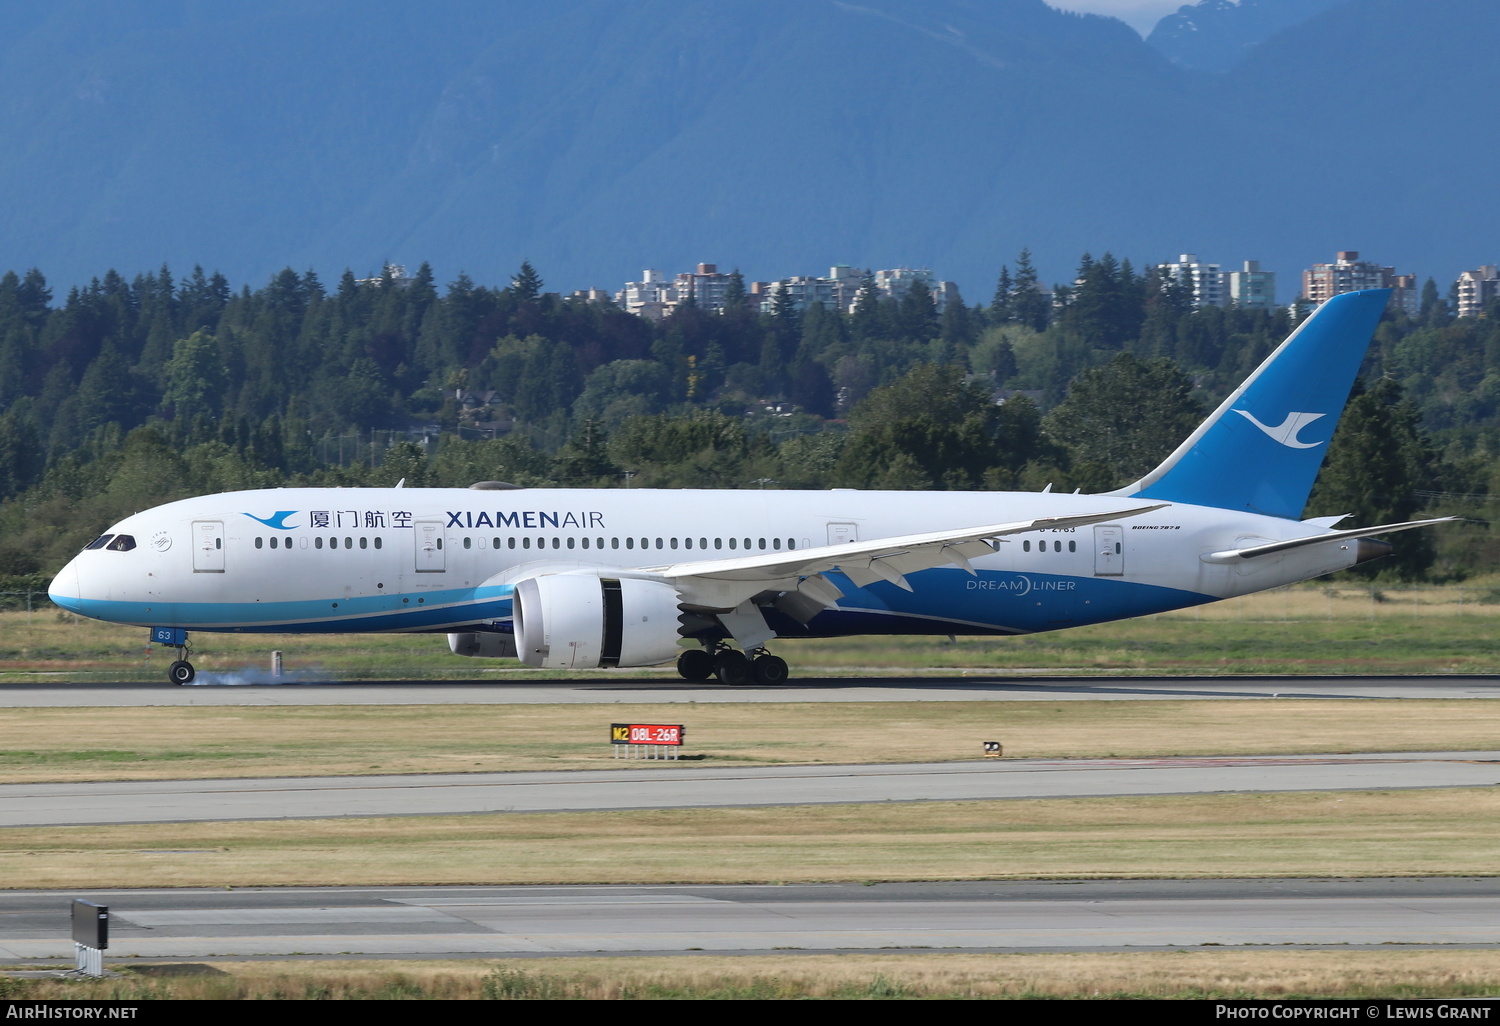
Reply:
x=1270, y=548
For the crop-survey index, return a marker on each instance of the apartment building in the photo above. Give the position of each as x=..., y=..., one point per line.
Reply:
x=1348, y=273
x=1476, y=290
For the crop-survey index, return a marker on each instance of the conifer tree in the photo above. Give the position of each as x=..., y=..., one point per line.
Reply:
x=526, y=284
x=1029, y=306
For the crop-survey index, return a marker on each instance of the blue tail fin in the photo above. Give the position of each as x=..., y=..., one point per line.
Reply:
x=1261, y=449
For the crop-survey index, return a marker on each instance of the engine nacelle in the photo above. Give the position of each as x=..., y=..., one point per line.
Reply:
x=576, y=621
x=484, y=645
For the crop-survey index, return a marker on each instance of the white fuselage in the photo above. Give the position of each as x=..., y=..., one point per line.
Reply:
x=404, y=559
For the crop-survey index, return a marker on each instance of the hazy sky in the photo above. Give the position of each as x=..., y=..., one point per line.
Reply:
x=1142, y=15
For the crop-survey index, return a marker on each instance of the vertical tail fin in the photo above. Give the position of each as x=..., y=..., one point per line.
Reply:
x=1261, y=449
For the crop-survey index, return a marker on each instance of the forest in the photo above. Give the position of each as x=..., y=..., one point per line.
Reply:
x=128, y=393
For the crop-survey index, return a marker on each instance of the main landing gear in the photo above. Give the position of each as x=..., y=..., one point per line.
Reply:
x=732, y=666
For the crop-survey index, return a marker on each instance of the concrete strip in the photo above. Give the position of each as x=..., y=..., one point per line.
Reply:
x=938, y=686
x=164, y=801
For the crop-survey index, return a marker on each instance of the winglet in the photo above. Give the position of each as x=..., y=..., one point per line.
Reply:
x=1261, y=449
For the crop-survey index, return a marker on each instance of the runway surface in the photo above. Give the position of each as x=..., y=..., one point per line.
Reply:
x=986, y=916
x=681, y=786
x=254, y=688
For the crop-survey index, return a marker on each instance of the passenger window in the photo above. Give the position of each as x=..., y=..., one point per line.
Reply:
x=468, y=543
x=273, y=541
x=658, y=543
x=614, y=543
x=364, y=543
x=260, y=542
x=718, y=543
x=525, y=543
x=557, y=543
x=763, y=544
x=585, y=543
x=1026, y=546
x=1072, y=546
x=349, y=543
x=732, y=543
x=630, y=543
x=377, y=543
x=1057, y=546
x=775, y=543
x=318, y=542
x=687, y=543
x=674, y=543
x=599, y=543
x=570, y=543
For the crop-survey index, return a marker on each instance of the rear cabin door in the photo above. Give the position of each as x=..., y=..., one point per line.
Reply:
x=429, y=541
x=1109, y=550
x=208, y=546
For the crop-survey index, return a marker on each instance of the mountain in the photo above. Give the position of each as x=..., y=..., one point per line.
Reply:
x=782, y=136
x=1215, y=35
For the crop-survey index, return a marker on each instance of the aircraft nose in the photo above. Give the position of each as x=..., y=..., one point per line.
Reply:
x=65, y=591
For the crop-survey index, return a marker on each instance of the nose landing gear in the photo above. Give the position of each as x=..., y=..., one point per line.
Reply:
x=181, y=671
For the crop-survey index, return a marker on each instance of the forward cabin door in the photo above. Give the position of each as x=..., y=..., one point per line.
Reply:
x=1109, y=550
x=208, y=546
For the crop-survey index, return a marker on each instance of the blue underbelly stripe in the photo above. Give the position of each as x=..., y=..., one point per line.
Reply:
x=945, y=601
x=371, y=613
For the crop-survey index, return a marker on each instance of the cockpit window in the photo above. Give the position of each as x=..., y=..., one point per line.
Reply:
x=98, y=543
x=122, y=543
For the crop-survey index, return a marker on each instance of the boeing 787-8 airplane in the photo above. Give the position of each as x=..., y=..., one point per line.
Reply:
x=578, y=578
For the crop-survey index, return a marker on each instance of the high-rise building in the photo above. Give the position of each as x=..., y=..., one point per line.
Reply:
x=656, y=296
x=1251, y=288
x=706, y=285
x=1476, y=290
x=897, y=282
x=1206, y=280
x=653, y=296
x=1348, y=273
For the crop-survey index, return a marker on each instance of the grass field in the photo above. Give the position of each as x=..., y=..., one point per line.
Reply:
x=1183, y=973
x=175, y=742
x=1318, y=628
x=1440, y=832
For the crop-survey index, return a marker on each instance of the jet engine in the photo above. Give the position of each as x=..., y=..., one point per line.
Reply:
x=575, y=621
x=483, y=646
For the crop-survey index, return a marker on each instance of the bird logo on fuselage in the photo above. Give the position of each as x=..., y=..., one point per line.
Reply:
x=276, y=520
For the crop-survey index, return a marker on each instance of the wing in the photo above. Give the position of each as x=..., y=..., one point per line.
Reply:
x=719, y=585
